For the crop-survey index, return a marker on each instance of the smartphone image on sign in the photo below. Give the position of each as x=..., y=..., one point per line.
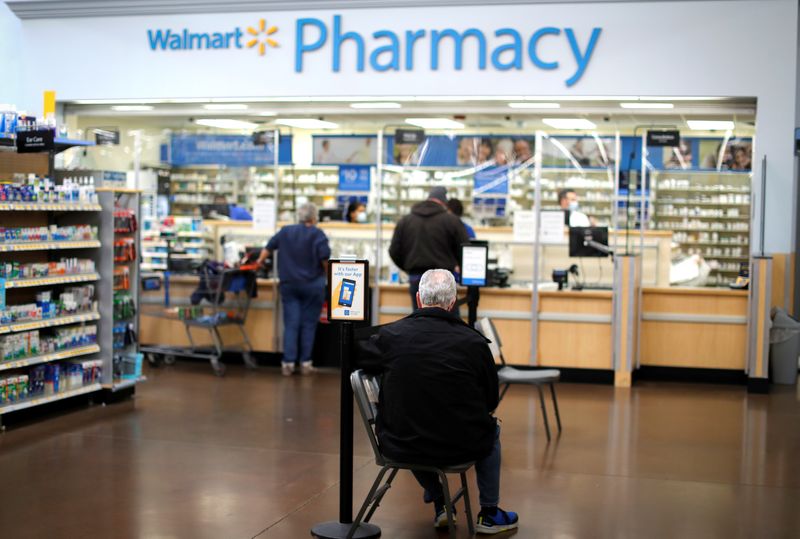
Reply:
x=347, y=292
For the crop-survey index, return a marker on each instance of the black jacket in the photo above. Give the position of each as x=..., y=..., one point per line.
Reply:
x=429, y=237
x=438, y=389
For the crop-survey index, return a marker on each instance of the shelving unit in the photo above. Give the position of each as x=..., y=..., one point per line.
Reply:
x=709, y=214
x=82, y=365
x=125, y=288
x=192, y=186
x=186, y=239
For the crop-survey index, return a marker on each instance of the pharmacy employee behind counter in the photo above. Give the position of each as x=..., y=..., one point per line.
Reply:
x=302, y=270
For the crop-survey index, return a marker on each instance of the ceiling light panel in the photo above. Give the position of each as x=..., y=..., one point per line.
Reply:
x=132, y=108
x=710, y=125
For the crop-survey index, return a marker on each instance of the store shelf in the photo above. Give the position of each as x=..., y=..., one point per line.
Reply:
x=48, y=206
x=50, y=398
x=188, y=256
x=702, y=190
x=62, y=144
x=155, y=254
x=152, y=267
x=47, y=245
x=49, y=323
x=47, y=358
x=56, y=280
x=191, y=234
x=119, y=385
x=714, y=217
x=696, y=203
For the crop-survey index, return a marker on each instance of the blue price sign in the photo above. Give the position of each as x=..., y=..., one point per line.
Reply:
x=354, y=178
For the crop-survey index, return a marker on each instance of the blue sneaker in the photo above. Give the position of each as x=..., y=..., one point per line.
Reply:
x=496, y=522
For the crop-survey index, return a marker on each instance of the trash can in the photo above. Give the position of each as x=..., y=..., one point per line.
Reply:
x=784, y=339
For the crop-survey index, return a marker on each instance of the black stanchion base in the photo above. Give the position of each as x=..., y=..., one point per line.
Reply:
x=338, y=530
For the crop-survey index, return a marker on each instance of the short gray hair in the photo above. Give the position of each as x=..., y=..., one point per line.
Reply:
x=307, y=212
x=437, y=288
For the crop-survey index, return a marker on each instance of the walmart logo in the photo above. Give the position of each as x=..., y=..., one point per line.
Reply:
x=262, y=29
x=184, y=40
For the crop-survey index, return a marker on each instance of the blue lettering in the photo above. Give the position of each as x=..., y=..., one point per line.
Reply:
x=393, y=49
x=339, y=38
x=411, y=38
x=158, y=39
x=582, y=59
x=515, y=47
x=239, y=35
x=458, y=44
x=175, y=42
x=301, y=47
x=534, y=43
x=202, y=40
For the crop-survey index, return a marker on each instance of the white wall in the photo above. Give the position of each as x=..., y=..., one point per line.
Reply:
x=10, y=39
x=709, y=48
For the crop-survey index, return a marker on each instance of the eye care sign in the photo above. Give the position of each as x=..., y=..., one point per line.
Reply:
x=348, y=281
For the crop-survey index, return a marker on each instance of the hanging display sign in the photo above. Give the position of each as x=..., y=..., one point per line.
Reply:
x=264, y=215
x=491, y=181
x=552, y=223
x=354, y=178
x=37, y=140
x=664, y=138
x=106, y=137
x=348, y=282
x=226, y=150
x=409, y=136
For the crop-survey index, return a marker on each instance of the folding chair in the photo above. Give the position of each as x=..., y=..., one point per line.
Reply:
x=366, y=391
x=510, y=375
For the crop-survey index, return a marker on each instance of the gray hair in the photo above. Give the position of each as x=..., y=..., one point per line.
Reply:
x=437, y=288
x=307, y=213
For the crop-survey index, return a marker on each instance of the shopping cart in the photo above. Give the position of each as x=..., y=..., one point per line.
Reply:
x=221, y=299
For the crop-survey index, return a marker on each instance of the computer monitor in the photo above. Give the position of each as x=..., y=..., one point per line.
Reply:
x=330, y=214
x=474, y=261
x=586, y=241
x=209, y=211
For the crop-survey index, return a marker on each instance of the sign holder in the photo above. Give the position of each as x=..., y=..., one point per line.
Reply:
x=475, y=253
x=348, y=283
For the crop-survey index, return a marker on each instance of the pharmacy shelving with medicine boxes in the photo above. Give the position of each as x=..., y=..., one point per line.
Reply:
x=174, y=242
x=708, y=213
x=56, y=292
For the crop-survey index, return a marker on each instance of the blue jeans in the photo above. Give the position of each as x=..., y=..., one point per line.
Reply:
x=487, y=470
x=301, y=304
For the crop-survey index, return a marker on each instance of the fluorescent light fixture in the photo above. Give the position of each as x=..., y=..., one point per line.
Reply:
x=306, y=123
x=132, y=108
x=534, y=105
x=267, y=113
x=435, y=123
x=225, y=106
x=643, y=105
x=569, y=123
x=375, y=105
x=225, y=123
x=710, y=125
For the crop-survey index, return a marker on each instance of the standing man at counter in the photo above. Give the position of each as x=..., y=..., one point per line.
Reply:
x=568, y=200
x=427, y=238
x=302, y=268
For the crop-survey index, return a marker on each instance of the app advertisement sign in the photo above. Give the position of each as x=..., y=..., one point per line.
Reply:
x=348, y=281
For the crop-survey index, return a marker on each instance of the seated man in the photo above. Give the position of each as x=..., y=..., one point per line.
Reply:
x=438, y=391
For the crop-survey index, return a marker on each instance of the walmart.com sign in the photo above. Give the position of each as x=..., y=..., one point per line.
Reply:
x=386, y=50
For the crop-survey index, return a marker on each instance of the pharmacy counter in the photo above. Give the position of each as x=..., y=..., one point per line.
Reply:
x=694, y=327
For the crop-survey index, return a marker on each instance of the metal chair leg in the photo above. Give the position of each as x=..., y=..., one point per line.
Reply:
x=503, y=392
x=555, y=405
x=366, y=503
x=544, y=411
x=467, y=505
x=380, y=494
x=448, y=505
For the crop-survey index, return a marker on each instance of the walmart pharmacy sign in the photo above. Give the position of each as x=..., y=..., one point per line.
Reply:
x=503, y=49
